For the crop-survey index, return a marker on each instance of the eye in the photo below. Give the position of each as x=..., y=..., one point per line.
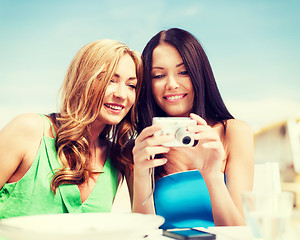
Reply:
x=133, y=86
x=158, y=76
x=184, y=73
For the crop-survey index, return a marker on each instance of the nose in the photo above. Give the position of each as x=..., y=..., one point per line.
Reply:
x=171, y=82
x=120, y=91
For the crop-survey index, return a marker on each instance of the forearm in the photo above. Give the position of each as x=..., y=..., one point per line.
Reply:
x=225, y=211
x=142, y=203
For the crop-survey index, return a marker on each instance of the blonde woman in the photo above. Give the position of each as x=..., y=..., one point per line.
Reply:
x=73, y=161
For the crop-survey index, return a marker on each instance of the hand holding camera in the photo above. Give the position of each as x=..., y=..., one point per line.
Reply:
x=177, y=127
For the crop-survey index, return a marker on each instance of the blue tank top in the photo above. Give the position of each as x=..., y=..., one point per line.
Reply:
x=183, y=200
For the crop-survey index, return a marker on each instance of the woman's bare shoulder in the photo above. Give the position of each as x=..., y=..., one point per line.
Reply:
x=28, y=123
x=239, y=138
x=236, y=126
x=19, y=141
x=240, y=141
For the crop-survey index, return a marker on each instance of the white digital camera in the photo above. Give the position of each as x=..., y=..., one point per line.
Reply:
x=176, y=126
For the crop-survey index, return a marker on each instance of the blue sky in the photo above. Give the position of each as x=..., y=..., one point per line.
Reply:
x=253, y=47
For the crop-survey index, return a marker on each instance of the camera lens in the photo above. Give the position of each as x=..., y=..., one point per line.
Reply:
x=186, y=140
x=184, y=137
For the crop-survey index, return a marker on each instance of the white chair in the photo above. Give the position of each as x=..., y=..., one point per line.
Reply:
x=267, y=177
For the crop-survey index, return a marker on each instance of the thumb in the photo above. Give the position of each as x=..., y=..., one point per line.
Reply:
x=199, y=120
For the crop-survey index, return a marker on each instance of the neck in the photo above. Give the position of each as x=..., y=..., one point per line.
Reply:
x=98, y=156
x=95, y=130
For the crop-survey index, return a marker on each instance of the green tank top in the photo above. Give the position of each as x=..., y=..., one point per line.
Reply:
x=32, y=195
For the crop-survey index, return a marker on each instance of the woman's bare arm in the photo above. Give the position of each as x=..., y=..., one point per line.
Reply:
x=19, y=141
x=226, y=199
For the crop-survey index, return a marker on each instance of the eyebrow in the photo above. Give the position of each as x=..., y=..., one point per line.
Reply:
x=131, y=78
x=178, y=65
x=157, y=68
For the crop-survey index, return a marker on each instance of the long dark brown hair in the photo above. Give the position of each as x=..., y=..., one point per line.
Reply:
x=207, y=103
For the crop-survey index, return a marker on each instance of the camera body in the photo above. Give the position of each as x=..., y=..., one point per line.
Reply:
x=177, y=127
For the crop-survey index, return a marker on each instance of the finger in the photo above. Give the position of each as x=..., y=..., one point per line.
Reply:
x=155, y=140
x=147, y=152
x=155, y=162
x=199, y=128
x=206, y=136
x=151, y=152
x=160, y=139
x=212, y=145
x=147, y=132
x=199, y=120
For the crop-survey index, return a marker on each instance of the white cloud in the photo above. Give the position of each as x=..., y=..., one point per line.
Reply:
x=7, y=114
x=263, y=112
x=192, y=10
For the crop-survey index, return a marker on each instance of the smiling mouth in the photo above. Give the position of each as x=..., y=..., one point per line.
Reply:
x=175, y=97
x=114, y=107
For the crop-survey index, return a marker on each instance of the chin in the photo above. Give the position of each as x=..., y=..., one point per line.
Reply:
x=114, y=122
x=177, y=114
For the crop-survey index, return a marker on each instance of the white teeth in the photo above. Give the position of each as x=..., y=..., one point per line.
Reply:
x=114, y=107
x=175, y=97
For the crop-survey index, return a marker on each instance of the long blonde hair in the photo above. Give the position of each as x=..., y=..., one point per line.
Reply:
x=82, y=95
